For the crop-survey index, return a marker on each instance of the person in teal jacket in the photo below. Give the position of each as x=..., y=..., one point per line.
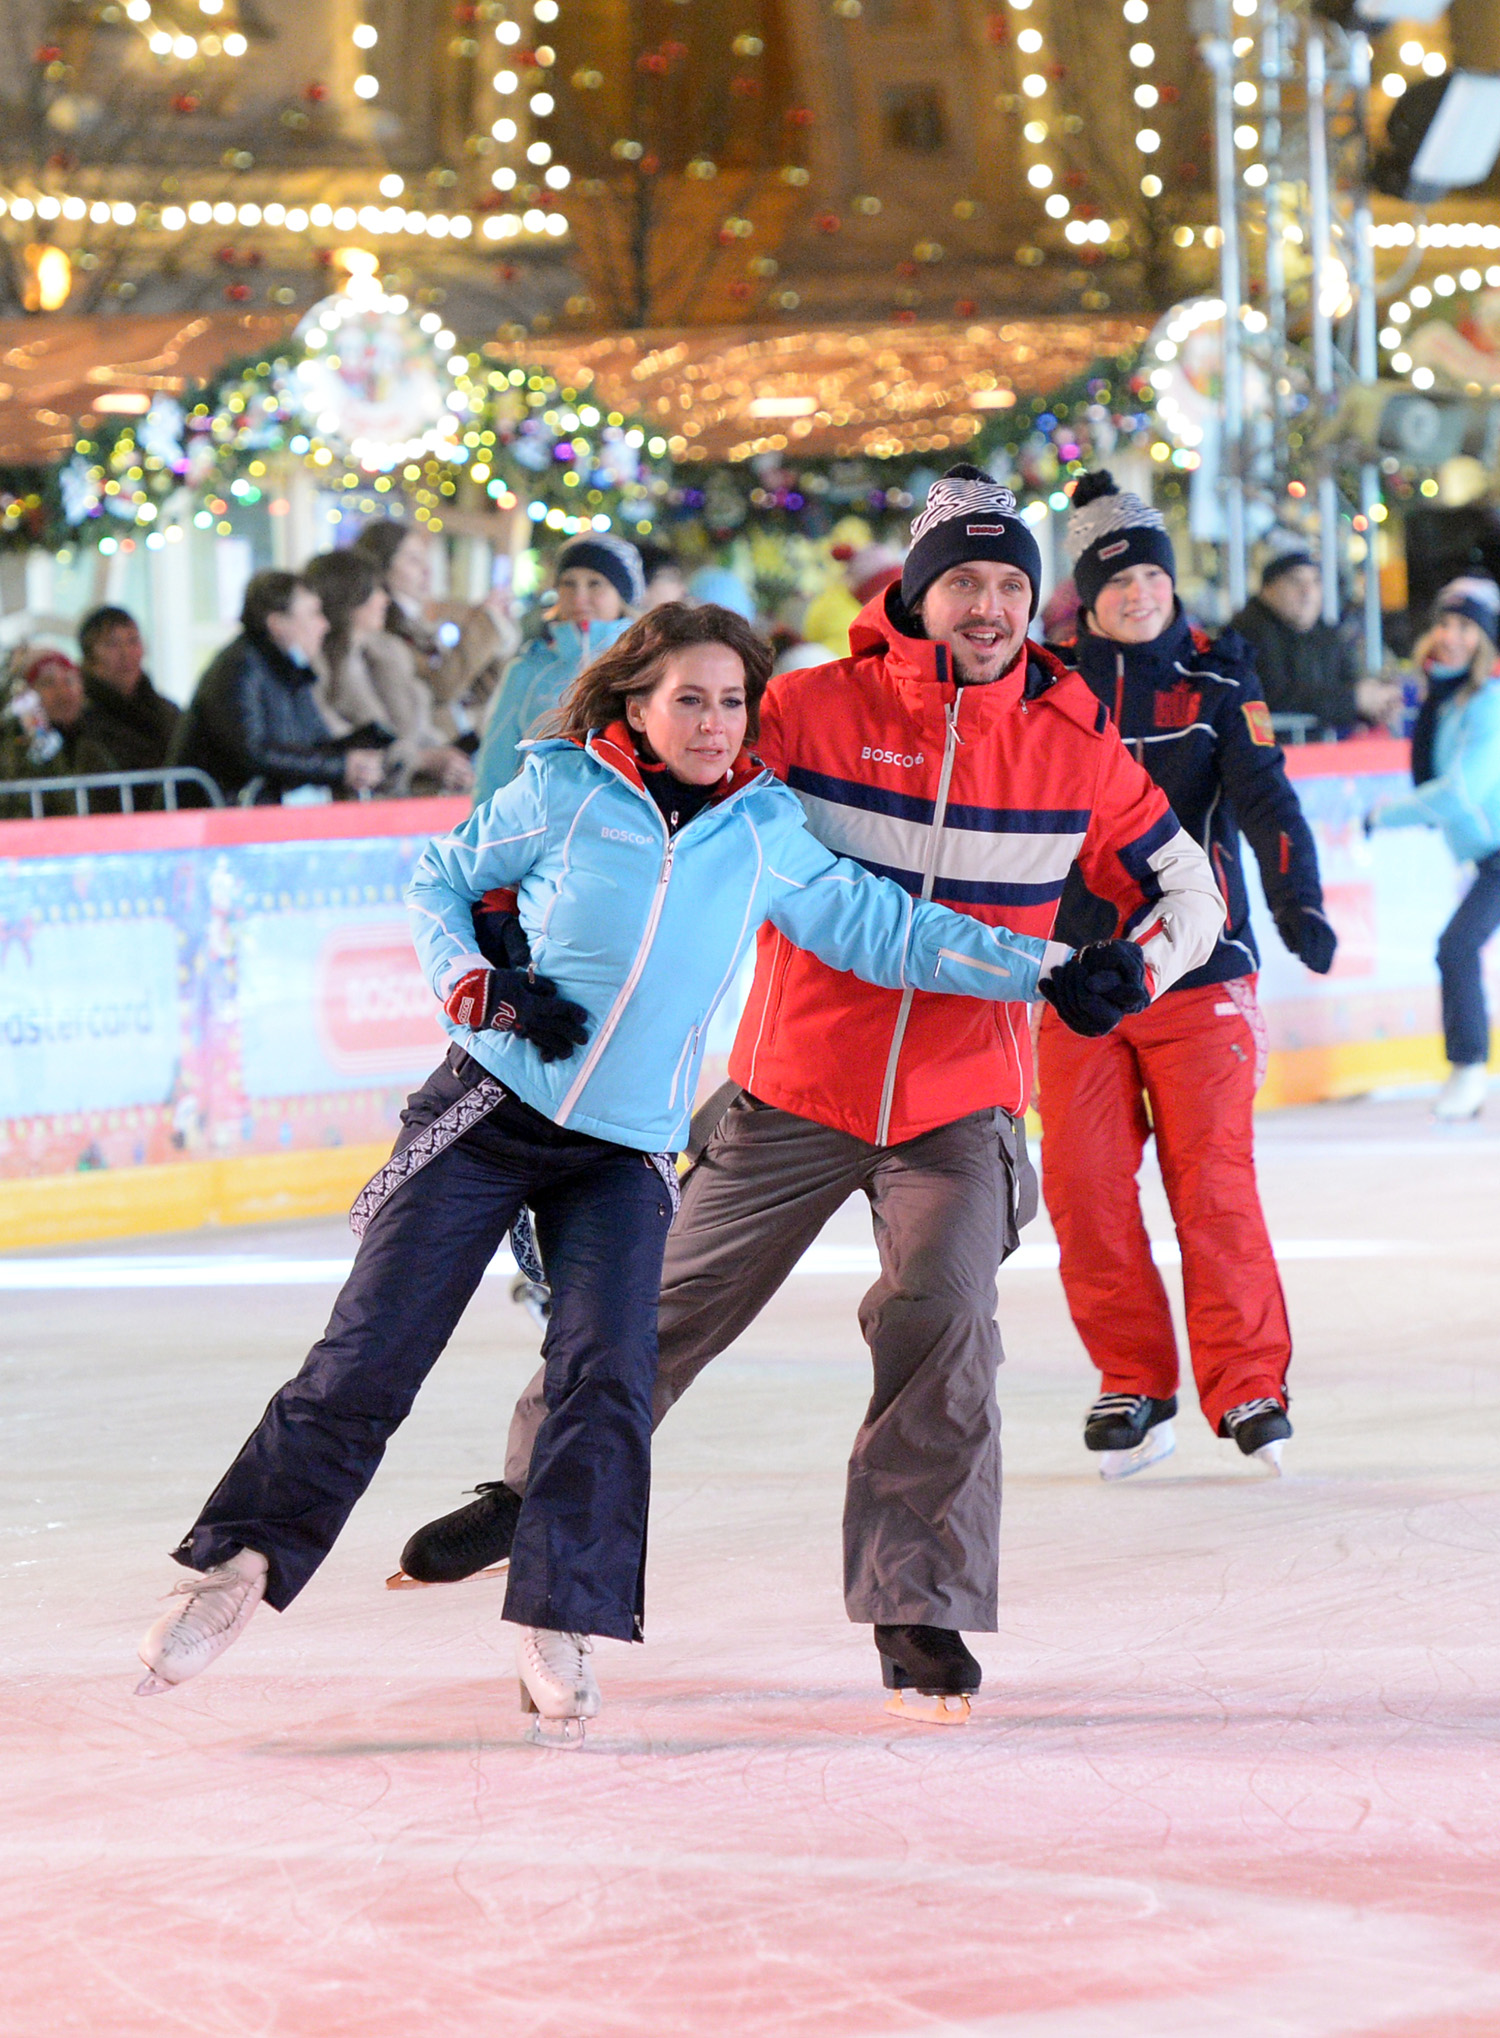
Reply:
x=599, y=581
x=1463, y=799
x=642, y=850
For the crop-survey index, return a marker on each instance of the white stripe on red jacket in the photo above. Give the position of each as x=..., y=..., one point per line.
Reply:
x=982, y=798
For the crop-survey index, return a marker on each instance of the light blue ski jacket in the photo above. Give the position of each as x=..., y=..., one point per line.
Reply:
x=1463, y=799
x=535, y=681
x=647, y=931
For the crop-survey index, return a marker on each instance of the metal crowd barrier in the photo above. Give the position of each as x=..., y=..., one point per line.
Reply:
x=123, y=783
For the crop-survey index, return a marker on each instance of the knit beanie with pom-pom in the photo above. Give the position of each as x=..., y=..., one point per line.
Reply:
x=1110, y=529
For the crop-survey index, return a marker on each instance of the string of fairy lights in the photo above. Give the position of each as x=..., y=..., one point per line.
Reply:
x=536, y=214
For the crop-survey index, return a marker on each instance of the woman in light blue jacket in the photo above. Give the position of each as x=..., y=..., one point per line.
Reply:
x=1463, y=799
x=599, y=581
x=642, y=851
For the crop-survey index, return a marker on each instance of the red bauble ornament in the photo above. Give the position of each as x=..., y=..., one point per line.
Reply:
x=906, y=318
x=237, y=292
x=739, y=290
x=49, y=53
x=1170, y=95
x=827, y=222
x=507, y=272
x=998, y=29
x=324, y=258
x=526, y=59
x=649, y=165
x=674, y=52
x=186, y=102
x=653, y=62
x=315, y=93
x=1076, y=179
x=799, y=116
x=225, y=257
x=906, y=270
x=964, y=307
x=745, y=88
x=62, y=161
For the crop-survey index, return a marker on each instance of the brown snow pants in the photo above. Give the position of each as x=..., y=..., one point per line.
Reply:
x=922, y=1504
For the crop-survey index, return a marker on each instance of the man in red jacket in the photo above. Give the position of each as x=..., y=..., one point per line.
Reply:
x=950, y=754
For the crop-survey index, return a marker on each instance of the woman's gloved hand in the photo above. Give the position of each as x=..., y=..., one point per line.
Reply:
x=1098, y=987
x=498, y=933
x=514, y=1001
x=1308, y=934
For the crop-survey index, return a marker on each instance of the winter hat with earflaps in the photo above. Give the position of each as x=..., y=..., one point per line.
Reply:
x=968, y=515
x=1473, y=595
x=616, y=558
x=1110, y=529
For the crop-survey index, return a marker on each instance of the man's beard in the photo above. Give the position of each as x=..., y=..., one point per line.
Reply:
x=962, y=676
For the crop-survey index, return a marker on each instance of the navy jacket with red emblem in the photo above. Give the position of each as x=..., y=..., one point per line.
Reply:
x=1191, y=710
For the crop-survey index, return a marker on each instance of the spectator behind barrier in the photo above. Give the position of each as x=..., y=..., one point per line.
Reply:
x=599, y=582
x=124, y=711
x=367, y=676
x=45, y=733
x=665, y=579
x=1307, y=666
x=459, y=648
x=253, y=716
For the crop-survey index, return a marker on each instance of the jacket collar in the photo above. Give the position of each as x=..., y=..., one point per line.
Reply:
x=279, y=665
x=568, y=638
x=614, y=748
x=1103, y=662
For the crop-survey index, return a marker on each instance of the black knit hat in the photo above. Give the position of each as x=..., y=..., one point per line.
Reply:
x=1110, y=529
x=616, y=558
x=968, y=515
x=1284, y=562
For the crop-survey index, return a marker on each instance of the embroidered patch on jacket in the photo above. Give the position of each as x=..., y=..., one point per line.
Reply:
x=1258, y=722
x=432, y=1140
x=1177, y=706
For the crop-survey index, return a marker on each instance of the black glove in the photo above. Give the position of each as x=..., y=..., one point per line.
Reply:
x=1306, y=932
x=513, y=1001
x=499, y=935
x=1098, y=987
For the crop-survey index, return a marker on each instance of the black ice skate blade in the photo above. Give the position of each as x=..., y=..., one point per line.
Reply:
x=402, y=1581
x=544, y=1733
x=894, y=1678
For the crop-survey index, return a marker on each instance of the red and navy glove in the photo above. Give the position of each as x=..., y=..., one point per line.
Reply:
x=1098, y=987
x=1309, y=936
x=514, y=1001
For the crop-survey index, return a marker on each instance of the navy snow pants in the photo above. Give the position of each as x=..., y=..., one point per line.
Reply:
x=440, y=1212
x=1466, y=1023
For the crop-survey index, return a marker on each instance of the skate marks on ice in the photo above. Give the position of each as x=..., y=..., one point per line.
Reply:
x=81, y=1272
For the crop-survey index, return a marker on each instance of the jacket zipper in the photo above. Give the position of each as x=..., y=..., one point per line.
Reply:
x=627, y=989
x=929, y=880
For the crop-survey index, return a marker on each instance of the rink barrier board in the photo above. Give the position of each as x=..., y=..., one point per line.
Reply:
x=274, y=1020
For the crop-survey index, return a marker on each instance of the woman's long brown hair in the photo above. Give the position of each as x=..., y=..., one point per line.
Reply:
x=635, y=663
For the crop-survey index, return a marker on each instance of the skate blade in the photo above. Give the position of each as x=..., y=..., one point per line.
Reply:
x=929, y=1708
x=1270, y=1456
x=1156, y=1444
x=401, y=1581
x=152, y=1686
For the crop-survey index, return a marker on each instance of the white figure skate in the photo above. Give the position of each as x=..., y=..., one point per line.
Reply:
x=557, y=1684
x=1462, y=1096
x=188, y=1636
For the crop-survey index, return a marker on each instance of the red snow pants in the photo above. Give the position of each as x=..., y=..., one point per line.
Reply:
x=1193, y=1056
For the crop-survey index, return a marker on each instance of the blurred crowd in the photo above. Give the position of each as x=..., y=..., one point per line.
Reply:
x=349, y=680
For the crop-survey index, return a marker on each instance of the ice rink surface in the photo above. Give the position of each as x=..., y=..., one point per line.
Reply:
x=1235, y=1769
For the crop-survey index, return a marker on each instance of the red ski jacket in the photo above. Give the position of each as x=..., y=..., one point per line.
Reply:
x=981, y=797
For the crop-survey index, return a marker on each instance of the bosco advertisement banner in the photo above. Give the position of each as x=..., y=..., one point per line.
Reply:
x=207, y=1001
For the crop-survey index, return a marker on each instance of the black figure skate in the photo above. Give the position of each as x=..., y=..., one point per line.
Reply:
x=1130, y=1431
x=929, y=1674
x=472, y=1542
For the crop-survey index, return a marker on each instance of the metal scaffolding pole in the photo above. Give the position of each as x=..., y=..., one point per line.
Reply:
x=1271, y=68
x=1322, y=325
x=1366, y=356
x=1218, y=53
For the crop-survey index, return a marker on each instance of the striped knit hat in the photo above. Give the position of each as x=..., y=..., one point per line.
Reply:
x=616, y=558
x=968, y=515
x=1110, y=529
x=1476, y=596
